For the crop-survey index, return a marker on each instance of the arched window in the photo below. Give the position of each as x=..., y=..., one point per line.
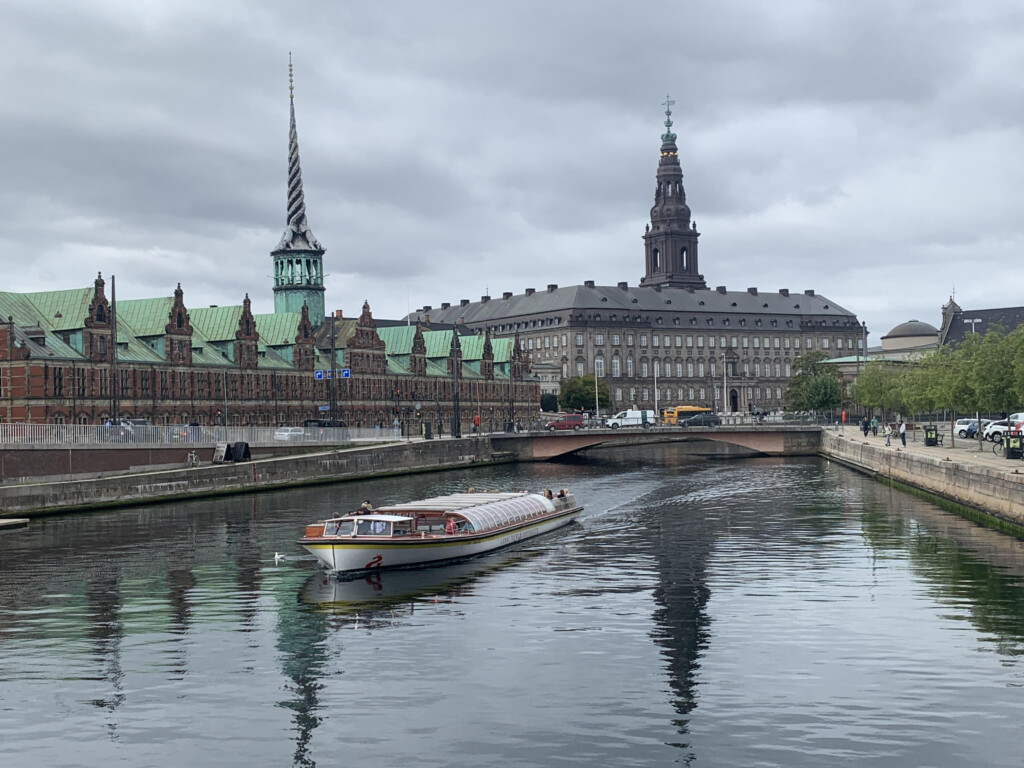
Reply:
x=655, y=258
x=629, y=367
x=682, y=257
x=101, y=314
x=181, y=320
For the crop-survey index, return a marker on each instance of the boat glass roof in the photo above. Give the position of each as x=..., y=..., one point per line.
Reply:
x=486, y=511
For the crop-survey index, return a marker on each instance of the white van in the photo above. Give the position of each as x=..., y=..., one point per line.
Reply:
x=631, y=419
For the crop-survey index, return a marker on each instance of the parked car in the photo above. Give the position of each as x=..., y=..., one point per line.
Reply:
x=962, y=425
x=702, y=420
x=995, y=430
x=290, y=434
x=568, y=421
x=184, y=433
x=132, y=431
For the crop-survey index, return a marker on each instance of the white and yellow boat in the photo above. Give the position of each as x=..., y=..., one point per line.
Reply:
x=436, y=530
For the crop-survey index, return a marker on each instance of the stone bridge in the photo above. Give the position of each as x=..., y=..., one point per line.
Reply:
x=771, y=440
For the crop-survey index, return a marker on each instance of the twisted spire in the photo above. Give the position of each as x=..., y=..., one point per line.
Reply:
x=297, y=235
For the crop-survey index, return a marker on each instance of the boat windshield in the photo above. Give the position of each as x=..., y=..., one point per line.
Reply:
x=373, y=528
x=339, y=527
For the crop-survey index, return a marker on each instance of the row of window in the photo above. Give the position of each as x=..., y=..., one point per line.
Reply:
x=693, y=395
x=666, y=341
x=687, y=370
x=525, y=325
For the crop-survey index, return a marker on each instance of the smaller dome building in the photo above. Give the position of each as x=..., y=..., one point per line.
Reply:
x=911, y=336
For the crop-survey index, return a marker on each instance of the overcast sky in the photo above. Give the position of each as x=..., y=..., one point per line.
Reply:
x=871, y=151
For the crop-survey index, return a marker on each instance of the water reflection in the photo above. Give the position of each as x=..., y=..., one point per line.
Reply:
x=634, y=637
x=385, y=595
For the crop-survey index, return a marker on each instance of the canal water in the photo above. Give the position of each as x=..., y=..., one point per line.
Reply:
x=761, y=612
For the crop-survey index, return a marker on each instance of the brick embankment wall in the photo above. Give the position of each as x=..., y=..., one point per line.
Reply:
x=997, y=492
x=221, y=479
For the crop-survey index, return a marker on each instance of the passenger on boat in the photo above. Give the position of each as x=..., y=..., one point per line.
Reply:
x=449, y=526
x=547, y=493
x=561, y=494
x=365, y=508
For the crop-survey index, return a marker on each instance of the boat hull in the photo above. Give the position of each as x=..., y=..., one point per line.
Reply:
x=369, y=553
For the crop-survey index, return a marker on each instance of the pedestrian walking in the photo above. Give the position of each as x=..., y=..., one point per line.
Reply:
x=888, y=434
x=903, y=433
x=865, y=426
x=874, y=427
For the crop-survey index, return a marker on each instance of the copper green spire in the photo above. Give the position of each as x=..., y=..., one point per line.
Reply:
x=297, y=235
x=668, y=135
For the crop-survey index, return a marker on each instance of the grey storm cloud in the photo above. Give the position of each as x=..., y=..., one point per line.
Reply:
x=870, y=151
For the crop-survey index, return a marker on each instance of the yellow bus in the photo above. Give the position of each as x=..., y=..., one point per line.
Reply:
x=673, y=414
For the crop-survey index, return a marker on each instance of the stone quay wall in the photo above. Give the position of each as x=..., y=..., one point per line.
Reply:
x=994, y=491
x=77, y=493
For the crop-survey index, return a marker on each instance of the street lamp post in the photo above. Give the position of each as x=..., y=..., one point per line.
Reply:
x=977, y=414
x=655, y=364
x=456, y=421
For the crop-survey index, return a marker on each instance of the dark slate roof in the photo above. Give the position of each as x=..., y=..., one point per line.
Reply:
x=609, y=299
x=1008, y=318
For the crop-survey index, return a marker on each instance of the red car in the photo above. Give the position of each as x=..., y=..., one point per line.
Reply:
x=568, y=421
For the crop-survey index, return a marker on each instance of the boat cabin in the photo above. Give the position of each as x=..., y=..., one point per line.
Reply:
x=454, y=515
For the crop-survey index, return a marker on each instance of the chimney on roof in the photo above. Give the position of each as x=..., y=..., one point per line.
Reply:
x=783, y=291
x=426, y=319
x=462, y=320
x=808, y=292
x=720, y=289
x=427, y=307
x=588, y=283
x=623, y=286
x=530, y=291
x=445, y=304
x=752, y=291
x=484, y=299
x=463, y=302
x=507, y=295
x=338, y=314
x=552, y=287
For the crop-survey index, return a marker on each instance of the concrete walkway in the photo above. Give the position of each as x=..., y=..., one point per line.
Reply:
x=958, y=450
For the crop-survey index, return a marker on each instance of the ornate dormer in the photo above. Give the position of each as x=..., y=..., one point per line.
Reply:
x=298, y=258
x=487, y=358
x=304, y=351
x=670, y=240
x=455, y=354
x=178, y=332
x=246, y=337
x=97, y=335
x=418, y=353
x=366, y=348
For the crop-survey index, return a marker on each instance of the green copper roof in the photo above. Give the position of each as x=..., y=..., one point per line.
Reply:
x=277, y=329
x=217, y=323
x=72, y=306
x=149, y=317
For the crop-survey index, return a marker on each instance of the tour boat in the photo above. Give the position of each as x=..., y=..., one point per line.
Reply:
x=435, y=530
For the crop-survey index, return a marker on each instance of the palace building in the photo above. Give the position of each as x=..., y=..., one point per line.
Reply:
x=671, y=339
x=77, y=356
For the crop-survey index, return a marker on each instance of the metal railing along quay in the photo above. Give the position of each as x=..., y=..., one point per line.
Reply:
x=70, y=435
